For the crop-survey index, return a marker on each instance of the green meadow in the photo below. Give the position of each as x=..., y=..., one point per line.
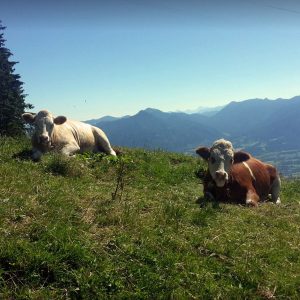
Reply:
x=137, y=227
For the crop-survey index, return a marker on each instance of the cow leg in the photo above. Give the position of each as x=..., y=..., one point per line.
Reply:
x=102, y=142
x=36, y=154
x=209, y=190
x=252, y=198
x=275, y=190
x=70, y=150
x=105, y=145
x=209, y=196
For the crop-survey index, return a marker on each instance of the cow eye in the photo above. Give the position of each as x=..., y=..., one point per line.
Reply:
x=212, y=160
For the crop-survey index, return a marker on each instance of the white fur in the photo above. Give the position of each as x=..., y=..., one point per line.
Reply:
x=220, y=161
x=249, y=169
x=66, y=136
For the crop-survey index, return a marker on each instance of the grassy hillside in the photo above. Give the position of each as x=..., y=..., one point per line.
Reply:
x=94, y=228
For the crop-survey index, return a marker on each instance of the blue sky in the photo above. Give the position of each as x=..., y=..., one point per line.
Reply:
x=87, y=59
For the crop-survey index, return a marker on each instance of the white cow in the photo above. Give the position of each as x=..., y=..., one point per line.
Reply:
x=66, y=136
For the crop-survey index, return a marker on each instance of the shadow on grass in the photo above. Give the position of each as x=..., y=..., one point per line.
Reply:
x=23, y=155
x=209, y=210
x=205, y=202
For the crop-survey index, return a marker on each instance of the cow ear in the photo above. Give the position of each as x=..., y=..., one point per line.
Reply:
x=204, y=152
x=241, y=156
x=28, y=117
x=60, y=120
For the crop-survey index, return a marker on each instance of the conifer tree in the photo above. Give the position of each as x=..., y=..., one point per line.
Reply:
x=12, y=97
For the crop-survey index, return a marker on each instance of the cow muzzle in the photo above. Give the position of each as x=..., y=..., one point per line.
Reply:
x=44, y=139
x=221, y=178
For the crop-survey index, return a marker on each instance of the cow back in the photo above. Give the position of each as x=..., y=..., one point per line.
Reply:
x=252, y=174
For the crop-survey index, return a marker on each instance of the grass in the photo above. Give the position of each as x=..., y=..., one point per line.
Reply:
x=77, y=229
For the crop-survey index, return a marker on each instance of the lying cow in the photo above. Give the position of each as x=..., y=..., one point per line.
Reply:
x=237, y=176
x=66, y=136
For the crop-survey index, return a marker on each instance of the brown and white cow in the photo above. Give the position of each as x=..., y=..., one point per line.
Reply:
x=66, y=136
x=237, y=176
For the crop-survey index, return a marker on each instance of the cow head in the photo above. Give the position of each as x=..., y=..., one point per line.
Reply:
x=43, y=123
x=220, y=158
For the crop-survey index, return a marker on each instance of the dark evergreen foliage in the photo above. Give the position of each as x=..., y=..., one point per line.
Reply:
x=12, y=97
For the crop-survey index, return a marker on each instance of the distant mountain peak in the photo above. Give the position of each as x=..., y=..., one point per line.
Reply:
x=105, y=119
x=152, y=110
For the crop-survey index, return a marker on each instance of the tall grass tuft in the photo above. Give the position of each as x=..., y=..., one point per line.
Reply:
x=58, y=164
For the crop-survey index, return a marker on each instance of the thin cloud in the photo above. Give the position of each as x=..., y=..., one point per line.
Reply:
x=284, y=9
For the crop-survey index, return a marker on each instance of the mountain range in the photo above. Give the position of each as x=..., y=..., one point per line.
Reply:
x=105, y=119
x=260, y=126
x=208, y=111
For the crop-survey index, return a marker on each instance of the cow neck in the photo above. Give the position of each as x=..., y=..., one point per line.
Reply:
x=53, y=135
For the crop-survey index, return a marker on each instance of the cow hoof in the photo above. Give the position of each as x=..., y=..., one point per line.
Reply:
x=278, y=201
x=250, y=202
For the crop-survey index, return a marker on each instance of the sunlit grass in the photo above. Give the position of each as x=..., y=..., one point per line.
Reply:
x=64, y=236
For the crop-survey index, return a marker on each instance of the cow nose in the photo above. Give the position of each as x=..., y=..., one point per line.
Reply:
x=221, y=174
x=44, y=138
